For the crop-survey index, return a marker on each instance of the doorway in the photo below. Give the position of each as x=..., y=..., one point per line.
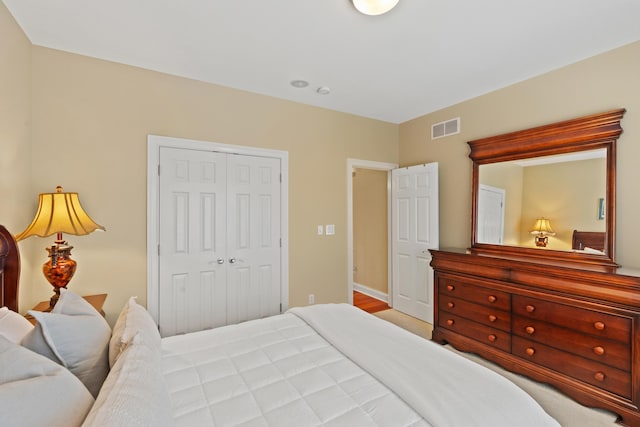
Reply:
x=353, y=165
x=412, y=229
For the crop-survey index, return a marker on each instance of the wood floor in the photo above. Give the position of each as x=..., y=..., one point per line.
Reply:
x=367, y=303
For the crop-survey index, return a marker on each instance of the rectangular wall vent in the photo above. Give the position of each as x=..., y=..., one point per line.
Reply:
x=446, y=128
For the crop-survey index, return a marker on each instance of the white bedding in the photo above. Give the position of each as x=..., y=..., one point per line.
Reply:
x=282, y=371
x=275, y=371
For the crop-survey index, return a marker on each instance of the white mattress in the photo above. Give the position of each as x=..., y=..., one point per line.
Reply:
x=333, y=365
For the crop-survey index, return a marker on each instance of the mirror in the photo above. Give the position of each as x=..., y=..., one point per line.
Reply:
x=568, y=190
x=548, y=192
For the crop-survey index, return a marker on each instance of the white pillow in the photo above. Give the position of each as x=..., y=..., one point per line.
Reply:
x=13, y=326
x=134, y=393
x=133, y=319
x=34, y=391
x=74, y=335
x=116, y=346
x=592, y=251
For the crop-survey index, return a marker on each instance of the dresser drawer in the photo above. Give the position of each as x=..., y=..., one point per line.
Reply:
x=600, y=375
x=476, y=331
x=601, y=350
x=588, y=321
x=487, y=315
x=477, y=294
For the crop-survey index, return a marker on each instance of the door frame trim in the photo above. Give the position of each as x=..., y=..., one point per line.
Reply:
x=154, y=143
x=367, y=164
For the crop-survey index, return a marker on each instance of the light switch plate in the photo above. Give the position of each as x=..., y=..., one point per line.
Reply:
x=320, y=230
x=330, y=229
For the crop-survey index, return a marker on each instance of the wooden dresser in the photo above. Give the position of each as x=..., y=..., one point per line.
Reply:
x=577, y=329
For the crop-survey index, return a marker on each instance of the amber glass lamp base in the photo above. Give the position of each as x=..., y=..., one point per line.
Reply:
x=59, y=269
x=541, y=241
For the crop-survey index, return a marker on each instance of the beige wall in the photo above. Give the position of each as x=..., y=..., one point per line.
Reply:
x=93, y=118
x=568, y=195
x=370, y=242
x=15, y=149
x=89, y=123
x=604, y=82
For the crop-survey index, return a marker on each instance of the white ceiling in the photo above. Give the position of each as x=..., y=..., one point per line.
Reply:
x=422, y=56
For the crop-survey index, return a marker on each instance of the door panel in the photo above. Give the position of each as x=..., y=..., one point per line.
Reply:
x=192, y=237
x=414, y=231
x=253, y=229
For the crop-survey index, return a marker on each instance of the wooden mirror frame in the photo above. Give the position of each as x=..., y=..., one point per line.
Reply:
x=598, y=131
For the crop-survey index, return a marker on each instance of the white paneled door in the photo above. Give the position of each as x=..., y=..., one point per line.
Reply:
x=219, y=239
x=415, y=222
x=490, y=215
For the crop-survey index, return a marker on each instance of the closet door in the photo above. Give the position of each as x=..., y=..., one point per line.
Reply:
x=192, y=236
x=253, y=237
x=219, y=252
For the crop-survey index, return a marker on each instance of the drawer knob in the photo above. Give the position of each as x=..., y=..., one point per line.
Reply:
x=530, y=330
x=492, y=338
x=492, y=318
x=492, y=298
x=599, y=376
x=599, y=326
x=450, y=288
x=450, y=322
x=450, y=305
x=530, y=308
x=599, y=350
x=530, y=351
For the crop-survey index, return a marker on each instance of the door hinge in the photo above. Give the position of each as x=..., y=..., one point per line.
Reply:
x=158, y=250
x=280, y=307
x=158, y=169
x=281, y=242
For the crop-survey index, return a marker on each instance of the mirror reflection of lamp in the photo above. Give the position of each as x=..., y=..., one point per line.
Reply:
x=59, y=213
x=541, y=230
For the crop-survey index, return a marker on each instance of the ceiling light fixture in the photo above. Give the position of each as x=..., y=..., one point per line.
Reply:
x=323, y=90
x=374, y=7
x=299, y=83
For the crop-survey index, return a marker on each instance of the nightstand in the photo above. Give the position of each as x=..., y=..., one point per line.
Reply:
x=97, y=301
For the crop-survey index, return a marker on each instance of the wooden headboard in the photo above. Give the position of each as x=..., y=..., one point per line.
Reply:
x=588, y=239
x=9, y=270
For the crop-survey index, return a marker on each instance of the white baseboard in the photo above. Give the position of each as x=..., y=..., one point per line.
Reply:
x=373, y=293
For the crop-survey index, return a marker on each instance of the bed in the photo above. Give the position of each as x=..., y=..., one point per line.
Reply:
x=588, y=240
x=327, y=364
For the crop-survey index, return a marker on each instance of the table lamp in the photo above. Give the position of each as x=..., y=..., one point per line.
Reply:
x=59, y=213
x=541, y=230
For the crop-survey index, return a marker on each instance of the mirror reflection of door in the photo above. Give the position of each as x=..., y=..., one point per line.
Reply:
x=490, y=215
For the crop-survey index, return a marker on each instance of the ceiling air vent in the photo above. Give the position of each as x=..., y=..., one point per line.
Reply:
x=446, y=128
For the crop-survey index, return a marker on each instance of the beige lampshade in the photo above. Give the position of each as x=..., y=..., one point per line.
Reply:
x=542, y=227
x=374, y=7
x=60, y=213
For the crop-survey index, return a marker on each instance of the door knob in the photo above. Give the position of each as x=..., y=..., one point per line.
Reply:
x=232, y=260
x=220, y=260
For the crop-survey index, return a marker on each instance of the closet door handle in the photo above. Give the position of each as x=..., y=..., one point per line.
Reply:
x=220, y=260
x=232, y=260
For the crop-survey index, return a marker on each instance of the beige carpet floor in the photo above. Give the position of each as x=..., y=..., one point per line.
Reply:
x=568, y=412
